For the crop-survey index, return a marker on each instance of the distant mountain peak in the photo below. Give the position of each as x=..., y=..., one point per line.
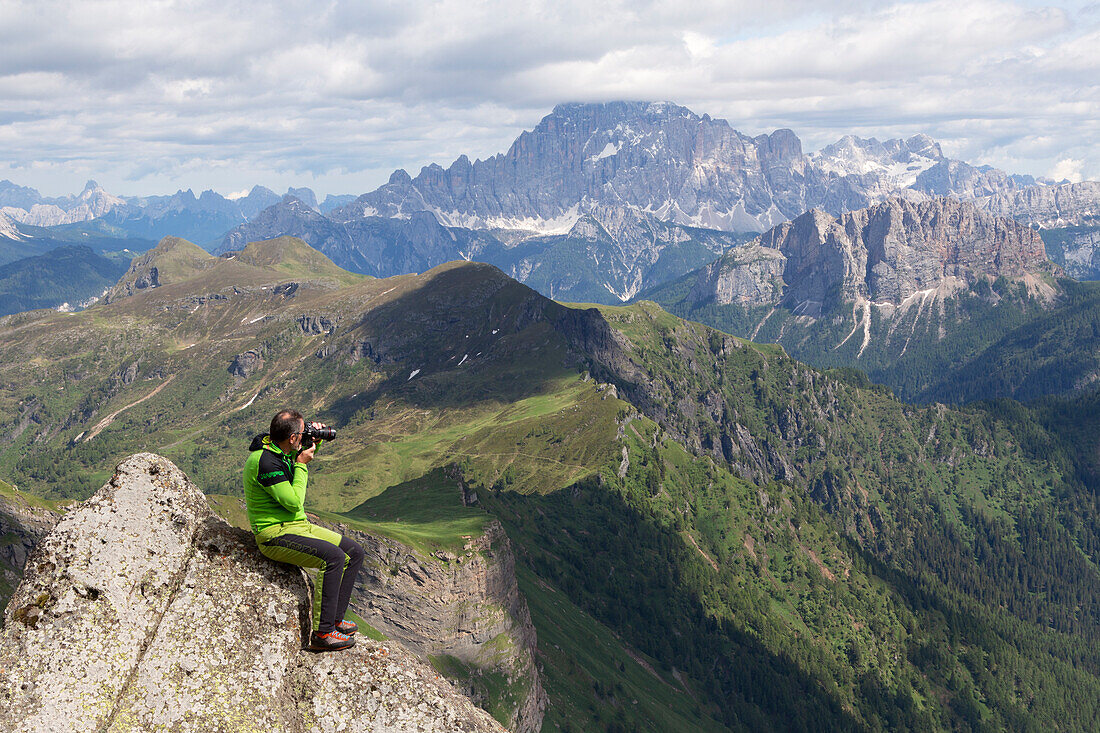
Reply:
x=291, y=255
x=172, y=260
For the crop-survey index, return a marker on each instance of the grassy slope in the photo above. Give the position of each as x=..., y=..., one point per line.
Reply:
x=22, y=498
x=426, y=514
x=292, y=256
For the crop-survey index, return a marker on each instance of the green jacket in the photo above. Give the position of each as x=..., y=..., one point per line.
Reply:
x=274, y=486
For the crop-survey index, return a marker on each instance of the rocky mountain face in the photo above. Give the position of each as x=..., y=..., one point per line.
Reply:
x=550, y=210
x=1068, y=204
x=141, y=611
x=658, y=157
x=28, y=207
x=880, y=169
x=1076, y=249
x=687, y=169
x=8, y=229
x=203, y=218
x=465, y=605
x=886, y=254
x=964, y=181
x=375, y=246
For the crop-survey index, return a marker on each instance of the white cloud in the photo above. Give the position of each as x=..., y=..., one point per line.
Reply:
x=1067, y=169
x=226, y=94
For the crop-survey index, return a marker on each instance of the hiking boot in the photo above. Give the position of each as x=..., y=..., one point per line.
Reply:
x=330, y=642
x=346, y=627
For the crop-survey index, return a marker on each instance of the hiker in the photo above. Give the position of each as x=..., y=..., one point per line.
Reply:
x=275, y=477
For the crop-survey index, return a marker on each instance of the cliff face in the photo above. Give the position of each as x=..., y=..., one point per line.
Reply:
x=143, y=611
x=1070, y=204
x=657, y=157
x=885, y=253
x=1080, y=250
x=22, y=525
x=463, y=606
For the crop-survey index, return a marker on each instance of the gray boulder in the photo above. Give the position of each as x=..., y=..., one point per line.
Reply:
x=142, y=610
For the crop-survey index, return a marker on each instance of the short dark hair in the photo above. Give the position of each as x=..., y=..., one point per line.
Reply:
x=285, y=424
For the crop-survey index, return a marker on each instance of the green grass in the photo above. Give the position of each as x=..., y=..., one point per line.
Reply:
x=294, y=257
x=426, y=514
x=229, y=508
x=18, y=497
x=536, y=444
x=364, y=628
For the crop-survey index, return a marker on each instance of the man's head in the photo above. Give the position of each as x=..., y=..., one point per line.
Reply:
x=286, y=427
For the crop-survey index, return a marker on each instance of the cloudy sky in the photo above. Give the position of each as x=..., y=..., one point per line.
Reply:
x=150, y=96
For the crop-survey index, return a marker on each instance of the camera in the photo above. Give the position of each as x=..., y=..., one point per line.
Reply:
x=311, y=434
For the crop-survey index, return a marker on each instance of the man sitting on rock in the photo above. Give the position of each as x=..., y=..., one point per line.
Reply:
x=275, y=477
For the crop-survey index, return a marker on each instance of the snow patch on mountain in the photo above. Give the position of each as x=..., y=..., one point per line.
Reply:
x=899, y=162
x=7, y=228
x=560, y=224
x=608, y=150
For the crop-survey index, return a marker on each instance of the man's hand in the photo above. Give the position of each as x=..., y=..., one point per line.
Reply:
x=307, y=455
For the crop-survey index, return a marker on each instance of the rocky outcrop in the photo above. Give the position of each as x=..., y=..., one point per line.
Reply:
x=246, y=364
x=748, y=275
x=465, y=605
x=142, y=611
x=885, y=253
x=172, y=260
x=316, y=325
